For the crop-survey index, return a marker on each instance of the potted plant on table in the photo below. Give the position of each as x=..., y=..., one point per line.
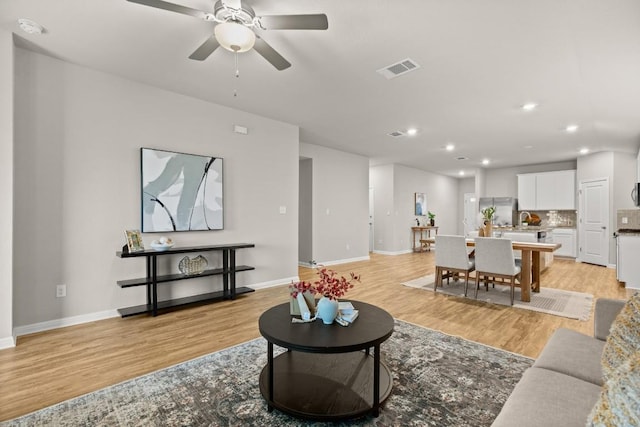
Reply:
x=432, y=218
x=330, y=287
x=487, y=215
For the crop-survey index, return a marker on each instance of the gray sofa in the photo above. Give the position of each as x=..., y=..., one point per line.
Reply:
x=564, y=383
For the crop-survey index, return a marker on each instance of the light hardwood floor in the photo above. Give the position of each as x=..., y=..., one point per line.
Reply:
x=49, y=367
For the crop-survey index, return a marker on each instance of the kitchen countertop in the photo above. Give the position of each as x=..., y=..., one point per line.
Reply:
x=531, y=228
x=627, y=232
x=535, y=228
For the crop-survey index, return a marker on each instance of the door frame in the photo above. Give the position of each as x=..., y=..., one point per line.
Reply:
x=606, y=249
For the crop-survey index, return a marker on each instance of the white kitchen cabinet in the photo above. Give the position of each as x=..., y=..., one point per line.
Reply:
x=567, y=238
x=627, y=266
x=527, y=192
x=547, y=191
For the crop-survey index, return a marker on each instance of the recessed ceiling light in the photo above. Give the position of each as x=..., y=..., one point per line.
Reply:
x=529, y=106
x=571, y=128
x=412, y=131
x=461, y=173
x=450, y=147
x=29, y=26
x=485, y=161
x=528, y=147
x=584, y=150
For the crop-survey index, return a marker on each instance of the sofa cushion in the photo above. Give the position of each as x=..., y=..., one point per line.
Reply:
x=619, y=402
x=624, y=338
x=548, y=398
x=572, y=353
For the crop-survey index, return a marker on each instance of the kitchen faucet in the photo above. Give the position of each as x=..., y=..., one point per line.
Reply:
x=528, y=216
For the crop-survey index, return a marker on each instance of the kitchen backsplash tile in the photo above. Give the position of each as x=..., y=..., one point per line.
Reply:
x=556, y=218
x=632, y=218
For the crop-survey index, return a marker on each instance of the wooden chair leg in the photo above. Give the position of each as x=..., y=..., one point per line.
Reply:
x=437, y=279
x=477, y=283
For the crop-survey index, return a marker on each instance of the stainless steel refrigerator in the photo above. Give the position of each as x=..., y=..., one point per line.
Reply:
x=506, y=210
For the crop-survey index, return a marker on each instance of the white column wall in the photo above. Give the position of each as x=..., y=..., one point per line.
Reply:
x=6, y=179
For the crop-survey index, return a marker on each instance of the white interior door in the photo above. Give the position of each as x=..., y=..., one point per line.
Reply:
x=594, y=221
x=470, y=213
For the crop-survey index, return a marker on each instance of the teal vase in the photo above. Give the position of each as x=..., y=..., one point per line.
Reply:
x=327, y=310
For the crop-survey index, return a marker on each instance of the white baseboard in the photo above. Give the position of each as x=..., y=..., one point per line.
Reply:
x=343, y=261
x=7, y=342
x=273, y=283
x=407, y=251
x=65, y=321
x=307, y=264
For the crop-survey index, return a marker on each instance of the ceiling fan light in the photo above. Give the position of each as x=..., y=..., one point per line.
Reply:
x=235, y=37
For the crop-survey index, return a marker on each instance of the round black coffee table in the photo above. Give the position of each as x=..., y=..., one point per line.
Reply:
x=327, y=372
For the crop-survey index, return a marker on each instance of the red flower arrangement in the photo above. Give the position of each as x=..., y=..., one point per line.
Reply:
x=328, y=285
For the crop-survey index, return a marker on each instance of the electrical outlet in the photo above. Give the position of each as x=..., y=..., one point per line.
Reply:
x=348, y=247
x=61, y=291
x=625, y=220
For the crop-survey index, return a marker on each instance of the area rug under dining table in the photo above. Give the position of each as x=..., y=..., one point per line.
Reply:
x=574, y=305
x=438, y=380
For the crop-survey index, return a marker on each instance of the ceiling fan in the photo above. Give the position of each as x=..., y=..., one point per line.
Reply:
x=234, y=23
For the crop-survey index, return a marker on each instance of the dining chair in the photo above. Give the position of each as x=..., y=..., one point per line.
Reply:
x=452, y=258
x=494, y=258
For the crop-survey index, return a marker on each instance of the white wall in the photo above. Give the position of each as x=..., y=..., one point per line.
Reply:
x=340, y=204
x=394, y=200
x=77, y=186
x=6, y=178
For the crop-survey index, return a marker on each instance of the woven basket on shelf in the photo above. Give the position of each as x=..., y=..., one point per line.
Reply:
x=190, y=266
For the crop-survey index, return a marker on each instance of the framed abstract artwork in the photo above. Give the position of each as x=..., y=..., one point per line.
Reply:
x=180, y=192
x=420, y=204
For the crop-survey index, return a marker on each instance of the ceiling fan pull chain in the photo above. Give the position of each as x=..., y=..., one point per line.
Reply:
x=235, y=91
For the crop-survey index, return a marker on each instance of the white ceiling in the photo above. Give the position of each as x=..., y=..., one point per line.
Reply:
x=480, y=61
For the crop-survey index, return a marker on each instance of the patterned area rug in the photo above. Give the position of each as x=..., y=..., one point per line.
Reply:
x=439, y=380
x=574, y=305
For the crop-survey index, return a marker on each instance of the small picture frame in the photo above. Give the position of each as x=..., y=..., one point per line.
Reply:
x=134, y=240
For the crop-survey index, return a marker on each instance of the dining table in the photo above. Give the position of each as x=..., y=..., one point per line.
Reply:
x=531, y=252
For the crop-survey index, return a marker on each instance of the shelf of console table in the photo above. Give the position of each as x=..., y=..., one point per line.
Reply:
x=227, y=271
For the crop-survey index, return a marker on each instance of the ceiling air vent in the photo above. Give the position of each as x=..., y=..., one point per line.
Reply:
x=399, y=68
x=395, y=133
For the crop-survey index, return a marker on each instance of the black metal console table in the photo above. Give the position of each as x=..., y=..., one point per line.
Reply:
x=151, y=281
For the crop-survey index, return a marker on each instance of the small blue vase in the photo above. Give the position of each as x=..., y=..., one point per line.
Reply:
x=327, y=310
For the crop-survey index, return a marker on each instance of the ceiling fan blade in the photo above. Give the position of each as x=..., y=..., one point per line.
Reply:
x=270, y=54
x=205, y=49
x=160, y=4
x=295, y=22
